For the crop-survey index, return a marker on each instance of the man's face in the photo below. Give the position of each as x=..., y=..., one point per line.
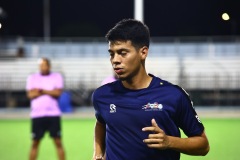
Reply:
x=44, y=67
x=125, y=58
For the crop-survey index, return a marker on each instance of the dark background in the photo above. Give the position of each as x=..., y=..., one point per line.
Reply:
x=93, y=18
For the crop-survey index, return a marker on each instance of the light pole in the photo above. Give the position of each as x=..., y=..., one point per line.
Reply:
x=232, y=21
x=139, y=10
x=46, y=20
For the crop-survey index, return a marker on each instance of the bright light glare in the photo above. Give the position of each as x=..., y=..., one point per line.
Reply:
x=225, y=17
x=0, y=25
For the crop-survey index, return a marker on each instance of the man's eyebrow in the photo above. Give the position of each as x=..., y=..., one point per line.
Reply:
x=118, y=50
x=123, y=49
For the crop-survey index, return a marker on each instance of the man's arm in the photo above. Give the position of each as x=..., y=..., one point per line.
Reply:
x=54, y=93
x=33, y=93
x=197, y=145
x=99, y=141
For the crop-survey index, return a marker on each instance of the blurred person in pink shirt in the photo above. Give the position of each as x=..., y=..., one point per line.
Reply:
x=110, y=79
x=43, y=89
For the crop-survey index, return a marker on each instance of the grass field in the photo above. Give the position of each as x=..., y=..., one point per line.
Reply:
x=15, y=140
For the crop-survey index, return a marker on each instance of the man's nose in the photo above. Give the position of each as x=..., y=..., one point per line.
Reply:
x=116, y=58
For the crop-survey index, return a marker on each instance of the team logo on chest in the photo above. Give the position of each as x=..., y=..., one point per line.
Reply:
x=153, y=107
x=113, y=108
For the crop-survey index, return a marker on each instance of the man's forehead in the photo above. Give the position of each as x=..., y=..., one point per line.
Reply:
x=43, y=61
x=120, y=42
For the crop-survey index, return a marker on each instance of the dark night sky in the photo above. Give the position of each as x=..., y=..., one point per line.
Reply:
x=93, y=18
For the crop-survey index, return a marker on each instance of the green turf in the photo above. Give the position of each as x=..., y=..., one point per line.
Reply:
x=224, y=139
x=15, y=140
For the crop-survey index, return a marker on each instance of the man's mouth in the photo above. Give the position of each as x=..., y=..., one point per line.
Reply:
x=118, y=70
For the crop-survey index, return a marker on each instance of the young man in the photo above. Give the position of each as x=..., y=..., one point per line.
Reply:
x=43, y=89
x=139, y=115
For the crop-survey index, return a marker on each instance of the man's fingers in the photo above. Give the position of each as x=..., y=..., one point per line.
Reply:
x=149, y=129
x=157, y=139
x=153, y=141
x=154, y=123
x=158, y=146
x=155, y=136
x=153, y=128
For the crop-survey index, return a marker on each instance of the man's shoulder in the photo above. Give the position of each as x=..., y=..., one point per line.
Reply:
x=56, y=74
x=175, y=89
x=169, y=86
x=32, y=75
x=105, y=89
x=163, y=83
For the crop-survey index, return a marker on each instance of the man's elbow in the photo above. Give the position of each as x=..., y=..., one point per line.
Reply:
x=205, y=145
x=206, y=150
x=29, y=96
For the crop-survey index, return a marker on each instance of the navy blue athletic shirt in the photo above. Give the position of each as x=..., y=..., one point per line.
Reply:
x=125, y=112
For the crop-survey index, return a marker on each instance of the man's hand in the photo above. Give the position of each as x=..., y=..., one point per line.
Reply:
x=98, y=158
x=34, y=93
x=38, y=91
x=158, y=139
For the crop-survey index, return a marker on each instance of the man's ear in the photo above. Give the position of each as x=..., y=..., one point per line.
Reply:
x=144, y=52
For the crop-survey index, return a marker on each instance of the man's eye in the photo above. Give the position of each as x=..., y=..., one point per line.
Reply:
x=123, y=53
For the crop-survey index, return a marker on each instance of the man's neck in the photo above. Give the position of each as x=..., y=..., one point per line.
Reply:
x=138, y=82
x=45, y=74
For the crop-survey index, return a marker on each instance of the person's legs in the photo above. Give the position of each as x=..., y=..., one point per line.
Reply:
x=60, y=149
x=55, y=133
x=34, y=150
x=38, y=129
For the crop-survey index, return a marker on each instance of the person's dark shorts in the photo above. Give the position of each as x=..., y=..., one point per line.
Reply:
x=46, y=124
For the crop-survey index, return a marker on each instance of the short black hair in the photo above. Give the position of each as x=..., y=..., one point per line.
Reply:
x=130, y=29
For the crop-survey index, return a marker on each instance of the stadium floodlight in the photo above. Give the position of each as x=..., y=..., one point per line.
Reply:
x=225, y=17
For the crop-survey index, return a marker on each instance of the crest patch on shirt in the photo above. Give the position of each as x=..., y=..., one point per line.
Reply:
x=153, y=107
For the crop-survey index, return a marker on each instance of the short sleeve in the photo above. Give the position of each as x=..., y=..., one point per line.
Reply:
x=59, y=82
x=188, y=119
x=30, y=82
x=97, y=111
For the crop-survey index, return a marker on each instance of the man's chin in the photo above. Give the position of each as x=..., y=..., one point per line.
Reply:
x=122, y=78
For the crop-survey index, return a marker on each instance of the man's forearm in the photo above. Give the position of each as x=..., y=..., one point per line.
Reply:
x=31, y=94
x=192, y=146
x=53, y=93
x=99, y=141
